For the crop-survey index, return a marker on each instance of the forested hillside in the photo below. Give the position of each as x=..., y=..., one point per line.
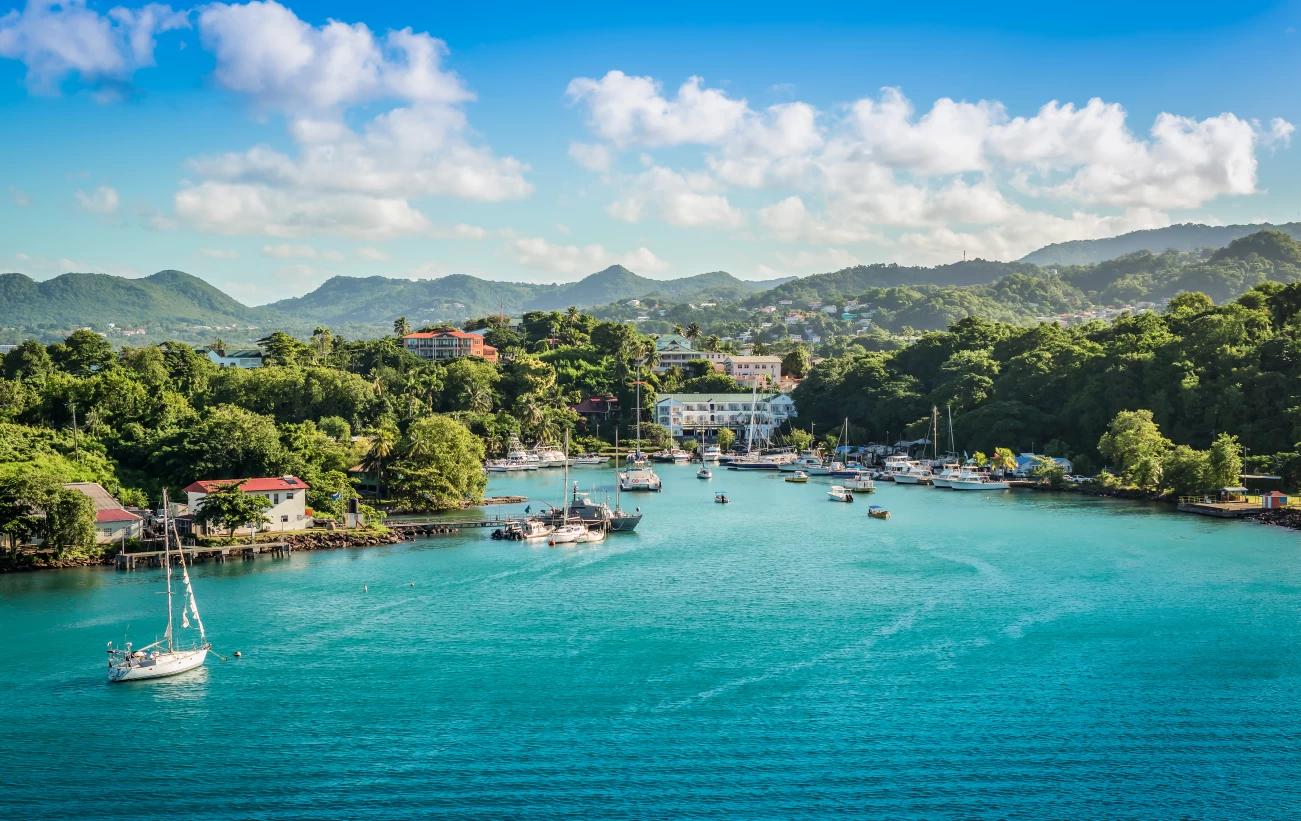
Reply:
x=1186, y=237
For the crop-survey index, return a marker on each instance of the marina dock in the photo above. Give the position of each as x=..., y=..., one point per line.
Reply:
x=196, y=554
x=1207, y=506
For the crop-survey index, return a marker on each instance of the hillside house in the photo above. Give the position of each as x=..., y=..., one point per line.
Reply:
x=287, y=494
x=245, y=358
x=766, y=370
x=113, y=522
x=448, y=344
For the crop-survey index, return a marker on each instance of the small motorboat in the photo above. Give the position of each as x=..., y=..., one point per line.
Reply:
x=799, y=477
x=721, y=498
x=878, y=512
x=840, y=493
x=861, y=485
x=704, y=473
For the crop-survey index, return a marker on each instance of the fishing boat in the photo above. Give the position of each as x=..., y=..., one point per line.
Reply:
x=948, y=472
x=528, y=530
x=710, y=453
x=878, y=512
x=798, y=477
x=977, y=480
x=840, y=493
x=721, y=498
x=589, y=460
x=164, y=657
x=704, y=473
x=861, y=485
x=548, y=456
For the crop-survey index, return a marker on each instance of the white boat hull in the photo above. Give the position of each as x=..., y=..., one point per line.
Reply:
x=960, y=485
x=907, y=479
x=938, y=482
x=160, y=666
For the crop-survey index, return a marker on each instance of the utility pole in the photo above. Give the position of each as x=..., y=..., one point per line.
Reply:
x=76, y=449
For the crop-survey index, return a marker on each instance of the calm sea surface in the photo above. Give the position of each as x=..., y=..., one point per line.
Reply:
x=1009, y=655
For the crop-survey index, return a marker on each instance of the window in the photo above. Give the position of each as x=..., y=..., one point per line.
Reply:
x=289, y=495
x=276, y=500
x=284, y=519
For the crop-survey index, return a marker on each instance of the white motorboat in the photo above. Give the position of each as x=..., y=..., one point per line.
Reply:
x=977, y=480
x=915, y=474
x=861, y=485
x=798, y=477
x=643, y=478
x=840, y=493
x=589, y=460
x=163, y=658
x=721, y=498
x=704, y=473
x=710, y=453
x=947, y=474
x=529, y=530
x=809, y=462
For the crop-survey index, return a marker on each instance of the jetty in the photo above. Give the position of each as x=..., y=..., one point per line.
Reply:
x=197, y=554
x=437, y=525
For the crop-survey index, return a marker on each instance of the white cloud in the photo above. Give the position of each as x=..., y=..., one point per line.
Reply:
x=358, y=182
x=804, y=263
x=265, y=51
x=57, y=39
x=103, y=200
x=373, y=254
x=19, y=197
x=219, y=253
x=848, y=175
x=564, y=229
x=686, y=200
x=287, y=251
x=633, y=110
x=541, y=255
x=592, y=156
x=332, y=255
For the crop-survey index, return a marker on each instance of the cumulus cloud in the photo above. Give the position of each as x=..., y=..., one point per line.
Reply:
x=634, y=111
x=538, y=254
x=219, y=253
x=686, y=200
x=342, y=179
x=803, y=263
x=373, y=254
x=880, y=171
x=103, y=200
x=286, y=251
x=57, y=39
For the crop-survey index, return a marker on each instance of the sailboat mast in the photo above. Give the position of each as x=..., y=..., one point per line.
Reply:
x=616, y=466
x=952, y=447
x=167, y=559
x=566, y=476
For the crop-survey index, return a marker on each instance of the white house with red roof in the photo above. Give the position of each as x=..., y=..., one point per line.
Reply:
x=113, y=522
x=287, y=494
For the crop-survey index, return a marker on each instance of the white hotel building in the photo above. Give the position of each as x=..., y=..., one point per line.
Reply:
x=701, y=415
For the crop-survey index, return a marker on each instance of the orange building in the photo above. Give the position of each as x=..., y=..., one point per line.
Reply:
x=448, y=344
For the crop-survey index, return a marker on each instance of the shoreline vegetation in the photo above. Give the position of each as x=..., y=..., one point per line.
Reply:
x=1178, y=402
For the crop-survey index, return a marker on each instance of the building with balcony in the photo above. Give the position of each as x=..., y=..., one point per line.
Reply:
x=701, y=416
x=448, y=344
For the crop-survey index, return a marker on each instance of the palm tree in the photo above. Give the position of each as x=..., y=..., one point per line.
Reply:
x=530, y=411
x=1003, y=459
x=547, y=429
x=980, y=459
x=479, y=399
x=382, y=442
x=693, y=331
x=322, y=342
x=401, y=327
x=677, y=328
x=218, y=344
x=571, y=316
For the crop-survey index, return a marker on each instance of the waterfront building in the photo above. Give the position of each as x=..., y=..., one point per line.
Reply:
x=766, y=370
x=244, y=358
x=702, y=415
x=287, y=495
x=113, y=522
x=448, y=344
x=676, y=350
x=597, y=409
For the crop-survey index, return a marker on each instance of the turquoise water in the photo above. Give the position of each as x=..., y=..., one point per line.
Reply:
x=1014, y=655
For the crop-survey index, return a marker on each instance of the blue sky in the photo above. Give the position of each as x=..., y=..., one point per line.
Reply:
x=265, y=149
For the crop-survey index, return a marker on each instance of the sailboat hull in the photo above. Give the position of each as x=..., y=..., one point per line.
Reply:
x=160, y=666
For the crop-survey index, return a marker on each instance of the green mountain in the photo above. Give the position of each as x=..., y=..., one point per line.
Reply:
x=1187, y=237
x=849, y=282
x=98, y=299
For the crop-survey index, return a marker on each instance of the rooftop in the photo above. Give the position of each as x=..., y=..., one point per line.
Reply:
x=249, y=485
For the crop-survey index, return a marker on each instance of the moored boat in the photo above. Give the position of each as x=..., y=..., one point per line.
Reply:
x=840, y=493
x=799, y=477
x=163, y=658
x=977, y=480
x=862, y=484
x=721, y=498
x=878, y=512
x=704, y=473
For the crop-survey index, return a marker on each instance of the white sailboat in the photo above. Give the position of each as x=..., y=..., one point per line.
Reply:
x=163, y=658
x=640, y=476
x=567, y=532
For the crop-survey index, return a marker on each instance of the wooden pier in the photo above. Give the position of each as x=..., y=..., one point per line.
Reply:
x=196, y=554
x=434, y=526
x=1211, y=507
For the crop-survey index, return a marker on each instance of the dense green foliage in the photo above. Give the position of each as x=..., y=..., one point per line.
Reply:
x=1191, y=374
x=1187, y=237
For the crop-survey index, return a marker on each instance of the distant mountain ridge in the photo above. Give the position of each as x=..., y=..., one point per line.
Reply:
x=76, y=299
x=1186, y=237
